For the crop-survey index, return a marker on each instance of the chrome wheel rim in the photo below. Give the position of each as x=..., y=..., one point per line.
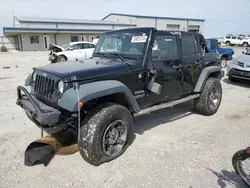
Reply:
x=114, y=138
x=223, y=63
x=214, y=97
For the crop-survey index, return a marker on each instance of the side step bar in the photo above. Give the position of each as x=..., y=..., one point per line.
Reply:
x=165, y=105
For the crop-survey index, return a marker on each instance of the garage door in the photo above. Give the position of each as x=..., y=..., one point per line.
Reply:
x=172, y=27
x=195, y=28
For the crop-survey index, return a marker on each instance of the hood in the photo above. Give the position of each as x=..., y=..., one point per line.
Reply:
x=243, y=58
x=55, y=48
x=86, y=69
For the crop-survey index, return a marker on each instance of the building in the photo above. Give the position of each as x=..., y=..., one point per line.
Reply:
x=160, y=23
x=32, y=34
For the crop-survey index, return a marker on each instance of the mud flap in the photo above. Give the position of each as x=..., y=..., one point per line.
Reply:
x=43, y=150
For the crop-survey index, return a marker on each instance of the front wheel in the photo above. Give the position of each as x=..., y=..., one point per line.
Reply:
x=223, y=62
x=209, y=101
x=105, y=134
x=240, y=162
x=245, y=44
x=61, y=58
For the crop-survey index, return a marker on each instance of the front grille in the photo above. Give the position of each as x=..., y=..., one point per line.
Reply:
x=241, y=64
x=44, y=87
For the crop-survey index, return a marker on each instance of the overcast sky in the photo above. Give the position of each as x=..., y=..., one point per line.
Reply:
x=222, y=16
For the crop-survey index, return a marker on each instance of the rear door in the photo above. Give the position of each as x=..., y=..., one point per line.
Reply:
x=191, y=52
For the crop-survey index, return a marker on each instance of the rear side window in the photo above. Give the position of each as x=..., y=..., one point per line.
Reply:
x=189, y=45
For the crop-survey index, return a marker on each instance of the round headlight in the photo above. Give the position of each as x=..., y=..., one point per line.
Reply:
x=61, y=86
x=34, y=76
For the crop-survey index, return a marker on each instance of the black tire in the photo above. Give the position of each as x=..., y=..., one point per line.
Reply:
x=61, y=58
x=245, y=44
x=97, y=124
x=209, y=101
x=228, y=43
x=223, y=62
x=239, y=156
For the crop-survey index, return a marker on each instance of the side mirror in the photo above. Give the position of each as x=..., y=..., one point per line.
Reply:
x=70, y=49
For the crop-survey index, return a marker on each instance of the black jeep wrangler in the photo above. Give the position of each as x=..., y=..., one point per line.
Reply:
x=132, y=72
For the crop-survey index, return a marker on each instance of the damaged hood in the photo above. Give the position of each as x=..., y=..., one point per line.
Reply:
x=56, y=48
x=87, y=69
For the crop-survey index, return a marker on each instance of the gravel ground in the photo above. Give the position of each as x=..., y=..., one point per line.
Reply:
x=173, y=147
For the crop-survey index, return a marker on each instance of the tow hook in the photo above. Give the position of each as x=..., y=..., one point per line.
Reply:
x=42, y=150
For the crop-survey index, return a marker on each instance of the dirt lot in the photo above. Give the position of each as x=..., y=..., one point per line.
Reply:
x=172, y=148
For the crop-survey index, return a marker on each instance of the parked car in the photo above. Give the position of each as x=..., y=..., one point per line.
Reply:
x=225, y=54
x=71, y=51
x=126, y=77
x=239, y=67
x=236, y=40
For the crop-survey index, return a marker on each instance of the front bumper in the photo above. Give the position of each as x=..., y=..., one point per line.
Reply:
x=35, y=109
x=236, y=71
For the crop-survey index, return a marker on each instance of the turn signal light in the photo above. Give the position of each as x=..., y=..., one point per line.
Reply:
x=79, y=104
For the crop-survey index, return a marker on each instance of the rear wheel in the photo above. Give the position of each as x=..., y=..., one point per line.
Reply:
x=210, y=98
x=228, y=43
x=105, y=134
x=223, y=62
x=241, y=165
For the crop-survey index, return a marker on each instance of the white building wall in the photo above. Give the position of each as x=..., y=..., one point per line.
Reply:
x=145, y=22
x=162, y=24
x=27, y=46
x=200, y=23
x=76, y=26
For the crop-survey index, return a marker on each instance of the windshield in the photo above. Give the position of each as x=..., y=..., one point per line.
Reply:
x=65, y=46
x=128, y=44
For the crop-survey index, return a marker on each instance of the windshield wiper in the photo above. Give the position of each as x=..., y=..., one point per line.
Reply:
x=119, y=55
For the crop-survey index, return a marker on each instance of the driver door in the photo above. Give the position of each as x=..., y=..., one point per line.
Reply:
x=167, y=65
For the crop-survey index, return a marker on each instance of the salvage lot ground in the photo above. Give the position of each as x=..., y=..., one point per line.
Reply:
x=173, y=147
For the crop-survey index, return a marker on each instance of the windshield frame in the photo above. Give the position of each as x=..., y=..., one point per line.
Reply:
x=132, y=31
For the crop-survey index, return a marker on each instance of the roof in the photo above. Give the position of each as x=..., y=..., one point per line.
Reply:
x=158, y=17
x=67, y=21
x=5, y=29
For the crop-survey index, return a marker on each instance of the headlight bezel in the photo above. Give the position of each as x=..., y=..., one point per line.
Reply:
x=34, y=75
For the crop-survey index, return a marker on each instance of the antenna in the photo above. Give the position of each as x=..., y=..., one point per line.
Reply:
x=13, y=14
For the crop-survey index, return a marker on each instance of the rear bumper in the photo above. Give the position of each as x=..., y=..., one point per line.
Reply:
x=35, y=109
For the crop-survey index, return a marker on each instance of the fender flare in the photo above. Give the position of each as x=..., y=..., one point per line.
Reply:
x=94, y=90
x=204, y=76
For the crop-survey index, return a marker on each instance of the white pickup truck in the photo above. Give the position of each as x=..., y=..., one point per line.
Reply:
x=239, y=40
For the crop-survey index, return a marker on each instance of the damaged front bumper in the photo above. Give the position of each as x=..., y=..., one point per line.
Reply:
x=35, y=109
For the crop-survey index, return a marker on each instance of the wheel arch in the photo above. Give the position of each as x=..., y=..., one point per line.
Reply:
x=97, y=92
x=208, y=72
